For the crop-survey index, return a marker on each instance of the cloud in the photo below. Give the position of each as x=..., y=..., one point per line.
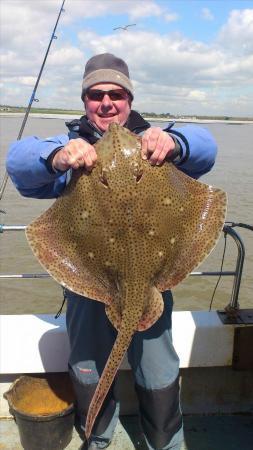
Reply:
x=198, y=95
x=67, y=56
x=171, y=17
x=171, y=72
x=144, y=9
x=96, y=8
x=22, y=22
x=171, y=69
x=236, y=36
x=206, y=14
x=167, y=59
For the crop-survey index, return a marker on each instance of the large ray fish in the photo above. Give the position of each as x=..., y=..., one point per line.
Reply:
x=124, y=232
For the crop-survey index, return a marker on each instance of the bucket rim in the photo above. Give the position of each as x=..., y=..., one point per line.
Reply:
x=36, y=417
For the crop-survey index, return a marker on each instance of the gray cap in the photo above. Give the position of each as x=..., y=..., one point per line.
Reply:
x=106, y=68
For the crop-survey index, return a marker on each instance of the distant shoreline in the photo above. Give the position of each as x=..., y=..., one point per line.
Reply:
x=67, y=116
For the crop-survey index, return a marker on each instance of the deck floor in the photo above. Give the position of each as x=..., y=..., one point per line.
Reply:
x=201, y=433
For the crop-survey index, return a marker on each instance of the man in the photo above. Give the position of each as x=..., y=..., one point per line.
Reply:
x=41, y=169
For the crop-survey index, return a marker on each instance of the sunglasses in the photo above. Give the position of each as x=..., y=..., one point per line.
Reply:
x=115, y=95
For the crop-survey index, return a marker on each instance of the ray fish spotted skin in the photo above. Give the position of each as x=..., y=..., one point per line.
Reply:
x=124, y=232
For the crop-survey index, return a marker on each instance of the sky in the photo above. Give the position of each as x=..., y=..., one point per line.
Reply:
x=184, y=56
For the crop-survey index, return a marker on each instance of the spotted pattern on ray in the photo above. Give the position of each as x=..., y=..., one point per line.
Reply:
x=124, y=232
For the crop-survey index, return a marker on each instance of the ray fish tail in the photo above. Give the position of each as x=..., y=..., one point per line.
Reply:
x=119, y=349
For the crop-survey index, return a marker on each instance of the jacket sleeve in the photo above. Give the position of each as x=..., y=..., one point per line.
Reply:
x=26, y=166
x=198, y=149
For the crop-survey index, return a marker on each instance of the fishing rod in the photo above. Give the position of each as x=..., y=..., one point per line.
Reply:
x=33, y=99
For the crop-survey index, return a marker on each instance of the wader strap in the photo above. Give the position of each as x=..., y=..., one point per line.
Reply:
x=63, y=303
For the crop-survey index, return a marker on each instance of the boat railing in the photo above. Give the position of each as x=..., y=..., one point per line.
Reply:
x=230, y=311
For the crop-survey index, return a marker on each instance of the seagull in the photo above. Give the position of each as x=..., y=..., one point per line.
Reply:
x=125, y=27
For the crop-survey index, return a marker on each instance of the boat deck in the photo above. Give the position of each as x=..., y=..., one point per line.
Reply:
x=226, y=432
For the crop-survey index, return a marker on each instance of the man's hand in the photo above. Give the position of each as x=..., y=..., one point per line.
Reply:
x=156, y=145
x=77, y=153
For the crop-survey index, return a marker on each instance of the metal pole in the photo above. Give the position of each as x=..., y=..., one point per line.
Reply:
x=25, y=275
x=45, y=275
x=11, y=228
x=32, y=99
x=234, y=305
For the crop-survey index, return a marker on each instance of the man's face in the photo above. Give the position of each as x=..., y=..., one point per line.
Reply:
x=102, y=109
